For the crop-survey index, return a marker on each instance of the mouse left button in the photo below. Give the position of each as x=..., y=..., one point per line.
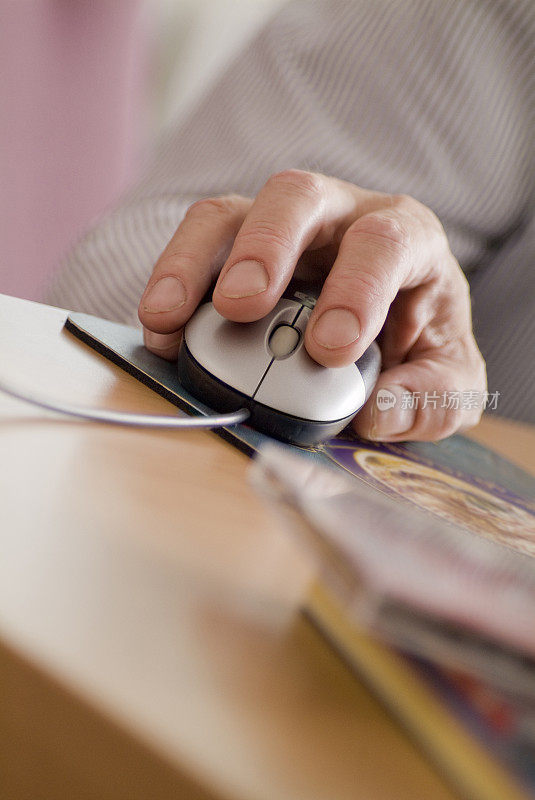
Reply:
x=236, y=353
x=222, y=349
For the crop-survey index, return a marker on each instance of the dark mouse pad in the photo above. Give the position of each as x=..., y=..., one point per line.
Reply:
x=456, y=459
x=123, y=345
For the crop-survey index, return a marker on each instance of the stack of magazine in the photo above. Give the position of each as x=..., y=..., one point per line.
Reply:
x=426, y=585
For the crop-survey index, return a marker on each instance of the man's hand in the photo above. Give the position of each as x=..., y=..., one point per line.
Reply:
x=387, y=269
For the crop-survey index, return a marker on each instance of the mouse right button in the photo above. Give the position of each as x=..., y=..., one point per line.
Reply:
x=302, y=388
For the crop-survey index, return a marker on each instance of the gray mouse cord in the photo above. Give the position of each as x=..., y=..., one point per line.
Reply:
x=124, y=417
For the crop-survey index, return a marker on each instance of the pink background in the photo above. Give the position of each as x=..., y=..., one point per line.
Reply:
x=73, y=110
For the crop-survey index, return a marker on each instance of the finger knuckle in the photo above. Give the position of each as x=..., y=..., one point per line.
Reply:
x=464, y=296
x=308, y=184
x=440, y=422
x=450, y=280
x=452, y=420
x=442, y=334
x=384, y=230
x=461, y=285
x=450, y=322
x=473, y=418
x=406, y=204
x=433, y=223
x=177, y=259
x=476, y=368
x=213, y=207
x=362, y=285
x=403, y=202
x=266, y=234
x=481, y=369
x=465, y=354
x=420, y=216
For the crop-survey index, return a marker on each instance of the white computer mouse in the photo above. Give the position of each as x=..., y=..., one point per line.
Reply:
x=265, y=367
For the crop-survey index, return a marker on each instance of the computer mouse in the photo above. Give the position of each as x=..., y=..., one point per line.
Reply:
x=264, y=367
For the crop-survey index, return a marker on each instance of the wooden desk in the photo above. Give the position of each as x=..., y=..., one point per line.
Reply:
x=149, y=641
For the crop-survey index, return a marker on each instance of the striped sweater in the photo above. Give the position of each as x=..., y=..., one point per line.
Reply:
x=432, y=98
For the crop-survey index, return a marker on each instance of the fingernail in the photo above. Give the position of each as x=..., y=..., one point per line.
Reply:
x=244, y=279
x=392, y=413
x=167, y=294
x=336, y=327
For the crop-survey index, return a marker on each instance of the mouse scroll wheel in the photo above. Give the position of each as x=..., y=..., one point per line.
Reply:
x=283, y=341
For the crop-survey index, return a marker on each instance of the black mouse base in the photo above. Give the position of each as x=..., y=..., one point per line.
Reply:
x=223, y=398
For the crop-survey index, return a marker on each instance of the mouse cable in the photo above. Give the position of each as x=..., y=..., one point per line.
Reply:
x=125, y=417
